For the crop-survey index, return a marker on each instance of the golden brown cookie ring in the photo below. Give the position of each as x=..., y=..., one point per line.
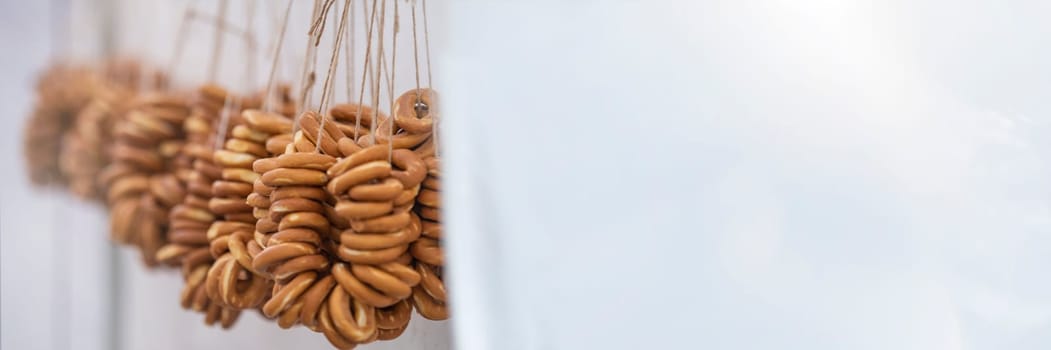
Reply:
x=184, y=216
x=433, y=168
x=329, y=330
x=141, y=158
x=313, y=161
x=428, y=251
x=277, y=144
x=267, y=122
x=358, y=175
x=264, y=165
x=430, y=198
x=188, y=236
x=349, y=283
x=431, y=282
x=362, y=156
x=302, y=144
x=351, y=112
x=208, y=169
x=245, y=133
x=373, y=241
x=311, y=125
x=431, y=213
x=212, y=92
x=238, y=293
x=390, y=334
x=362, y=210
x=167, y=190
x=279, y=208
x=218, y=246
x=238, y=249
x=426, y=149
x=395, y=316
x=288, y=318
x=313, y=299
x=401, y=140
x=293, y=177
x=286, y=294
x=231, y=189
x=410, y=169
x=245, y=217
x=311, y=220
x=431, y=229
x=276, y=254
x=224, y=206
x=366, y=242
x=359, y=327
x=390, y=279
x=233, y=159
x=151, y=125
x=256, y=200
x=347, y=146
x=242, y=175
x=388, y=223
x=370, y=257
x=128, y=186
x=409, y=117
x=295, y=235
x=171, y=253
x=427, y=306
x=386, y=190
x=265, y=225
x=310, y=192
x=292, y=267
x=407, y=197
x=198, y=257
x=261, y=189
x=244, y=146
x=226, y=228
x=194, y=280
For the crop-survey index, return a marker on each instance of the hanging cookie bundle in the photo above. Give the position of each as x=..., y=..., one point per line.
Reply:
x=61, y=92
x=140, y=182
x=328, y=219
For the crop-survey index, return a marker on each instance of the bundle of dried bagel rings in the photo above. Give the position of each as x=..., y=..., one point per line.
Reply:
x=329, y=219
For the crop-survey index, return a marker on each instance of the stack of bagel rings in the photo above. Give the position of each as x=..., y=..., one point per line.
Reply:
x=191, y=219
x=233, y=279
x=140, y=182
x=330, y=221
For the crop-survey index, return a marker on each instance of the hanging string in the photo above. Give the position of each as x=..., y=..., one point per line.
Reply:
x=390, y=83
x=268, y=97
x=348, y=53
x=427, y=42
x=224, y=119
x=333, y=63
x=249, y=41
x=366, y=71
x=431, y=109
x=180, y=39
x=326, y=93
x=377, y=74
x=318, y=26
x=415, y=51
x=217, y=49
x=307, y=80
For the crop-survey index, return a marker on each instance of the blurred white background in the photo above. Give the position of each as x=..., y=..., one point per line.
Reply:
x=669, y=174
x=750, y=174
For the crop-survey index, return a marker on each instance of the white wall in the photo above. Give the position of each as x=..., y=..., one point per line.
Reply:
x=749, y=174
